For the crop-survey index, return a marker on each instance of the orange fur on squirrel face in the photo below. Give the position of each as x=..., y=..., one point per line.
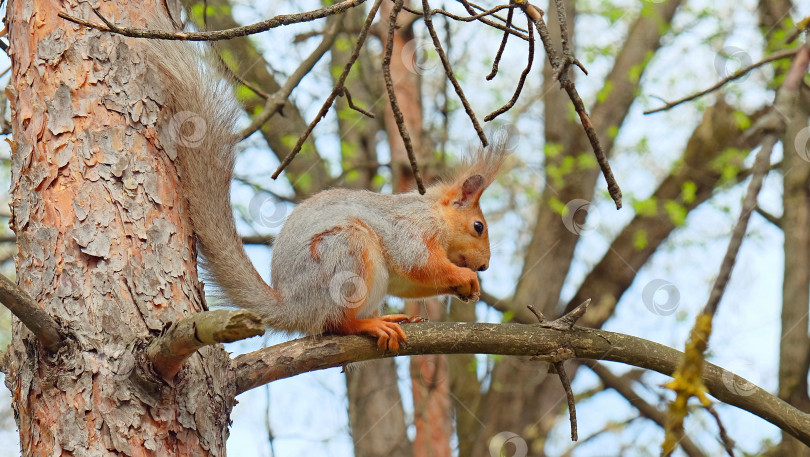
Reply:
x=467, y=233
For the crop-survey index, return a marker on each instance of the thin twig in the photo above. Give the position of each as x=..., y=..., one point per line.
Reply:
x=232, y=74
x=276, y=21
x=448, y=70
x=499, y=54
x=474, y=17
x=22, y=305
x=736, y=75
x=279, y=98
x=728, y=443
x=569, y=395
x=351, y=104
x=514, y=31
x=622, y=385
x=481, y=8
x=335, y=91
x=521, y=81
x=567, y=84
x=566, y=321
x=445, y=108
x=760, y=169
x=392, y=96
x=777, y=221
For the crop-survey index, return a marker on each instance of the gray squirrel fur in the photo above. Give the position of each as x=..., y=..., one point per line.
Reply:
x=337, y=250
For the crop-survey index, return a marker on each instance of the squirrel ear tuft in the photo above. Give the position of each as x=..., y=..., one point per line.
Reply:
x=471, y=190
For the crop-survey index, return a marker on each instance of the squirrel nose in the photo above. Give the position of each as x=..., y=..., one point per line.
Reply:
x=483, y=267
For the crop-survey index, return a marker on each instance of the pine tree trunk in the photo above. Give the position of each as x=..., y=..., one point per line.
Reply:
x=103, y=246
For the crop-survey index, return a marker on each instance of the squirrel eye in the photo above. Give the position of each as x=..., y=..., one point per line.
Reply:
x=479, y=227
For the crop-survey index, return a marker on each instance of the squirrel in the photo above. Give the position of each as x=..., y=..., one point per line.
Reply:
x=339, y=252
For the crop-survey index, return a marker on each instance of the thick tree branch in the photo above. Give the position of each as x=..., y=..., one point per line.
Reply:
x=320, y=352
x=41, y=324
x=273, y=22
x=168, y=351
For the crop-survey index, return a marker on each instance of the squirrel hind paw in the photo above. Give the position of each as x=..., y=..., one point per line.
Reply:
x=389, y=334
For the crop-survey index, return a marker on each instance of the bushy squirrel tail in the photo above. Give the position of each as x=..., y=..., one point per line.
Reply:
x=197, y=125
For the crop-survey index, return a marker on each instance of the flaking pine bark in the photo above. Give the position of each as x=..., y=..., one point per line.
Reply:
x=103, y=245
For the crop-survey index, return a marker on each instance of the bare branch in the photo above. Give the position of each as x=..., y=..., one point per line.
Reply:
x=736, y=75
x=277, y=100
x=168, y=351
x=760, y=169
x=513, y=30
x=559, y=65
x=320, y=352
x=276, y=21
x=569, y=396
x=337, y=90
x=777, y=221
x=522, y=79
x=392, y=96
x=728, y=443
x=22, y=305
x=448, y=70
x=502, y=47
x=623, y=387
x=351, y=104
x=687, y=381
x=258, y=239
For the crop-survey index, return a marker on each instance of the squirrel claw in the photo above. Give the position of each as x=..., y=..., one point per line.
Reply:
x=472, y=297
x=402, y=318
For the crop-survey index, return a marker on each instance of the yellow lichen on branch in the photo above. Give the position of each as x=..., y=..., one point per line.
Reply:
x=687, y=382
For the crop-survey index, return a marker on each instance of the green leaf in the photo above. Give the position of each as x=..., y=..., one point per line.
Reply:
x=604, y=92
x=586, y=161
x=640, y=240
x=742, y=119
x=552, y=149
x=688, y=191
x=557, y=206
x=676, y=212
x=508, y=315
x=352, y=176
x=646, y=208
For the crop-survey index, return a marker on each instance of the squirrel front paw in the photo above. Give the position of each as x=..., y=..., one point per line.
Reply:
x=469, y=289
